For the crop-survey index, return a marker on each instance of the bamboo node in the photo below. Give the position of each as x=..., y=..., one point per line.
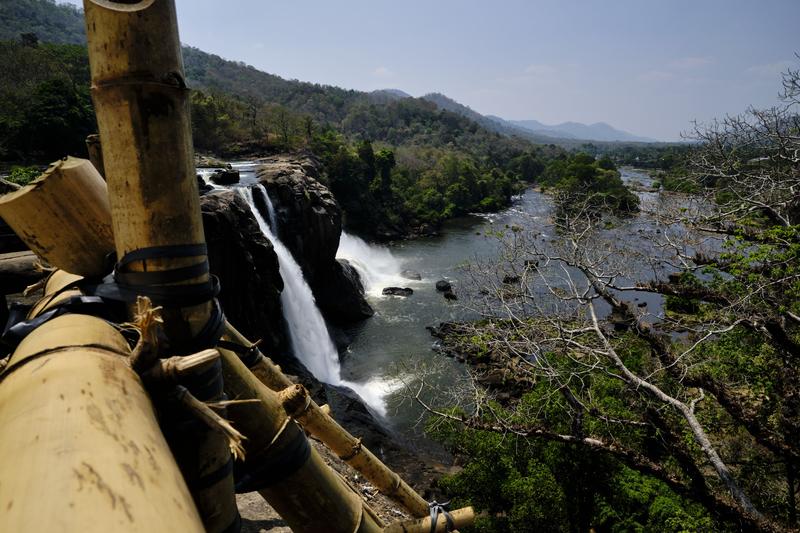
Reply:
x=295, y=400
x=353, y=452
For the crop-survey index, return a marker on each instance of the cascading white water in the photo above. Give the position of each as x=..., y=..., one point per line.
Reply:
x=376, y=265
x=309, y=336
x=273, y=217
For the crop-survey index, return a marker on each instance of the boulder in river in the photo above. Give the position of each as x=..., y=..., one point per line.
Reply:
x=397, y=291
x=511, y=278
x=411, y=274
x=225, y=176
x=449, y=295
x=443, y=286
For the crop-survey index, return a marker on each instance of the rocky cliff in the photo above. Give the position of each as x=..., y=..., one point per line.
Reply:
x=310, y=224
x=247, y=267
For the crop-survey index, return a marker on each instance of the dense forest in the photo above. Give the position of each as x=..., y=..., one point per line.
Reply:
x=443, y=164
x=591, y=413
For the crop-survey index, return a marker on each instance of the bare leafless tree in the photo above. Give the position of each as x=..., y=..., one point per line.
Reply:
x=562, y=309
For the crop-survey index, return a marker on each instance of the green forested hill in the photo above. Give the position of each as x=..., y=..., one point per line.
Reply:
x=51, y=22
x=427, y=163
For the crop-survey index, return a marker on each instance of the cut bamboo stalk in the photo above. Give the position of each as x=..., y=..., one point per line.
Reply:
x=63, y=216
x=142, y=107
x=54, y=292
x=80, y=448
x=461, y=518
x=318, y=422
x=18, y=271
x=311, y=497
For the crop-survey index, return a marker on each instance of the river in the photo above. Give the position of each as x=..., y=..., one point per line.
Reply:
x=395, y=346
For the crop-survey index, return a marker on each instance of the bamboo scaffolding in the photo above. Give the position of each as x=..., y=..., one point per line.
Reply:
x=312, y=498
x=64, y=216
x=142, y=107
x=318, y=422
x=81, y=449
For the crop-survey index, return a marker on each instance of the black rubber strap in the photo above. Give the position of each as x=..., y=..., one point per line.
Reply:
x=206, y=385
x=87, y=305
x=212, y=478
x=274, y=468
x=158, y=277
x=249, y=356
x=163, y=295
x=126, y=286
x=440, y=508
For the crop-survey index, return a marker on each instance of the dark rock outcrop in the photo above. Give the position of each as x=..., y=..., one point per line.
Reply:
x=443, y=285
x=247, y=267
x=225, y=176
x=310, y=224
x=397, y=291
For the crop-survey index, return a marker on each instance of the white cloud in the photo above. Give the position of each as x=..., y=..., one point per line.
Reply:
x=770, y=71
x=691, y=62
x=383, y=72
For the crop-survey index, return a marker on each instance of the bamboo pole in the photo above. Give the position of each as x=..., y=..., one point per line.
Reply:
x=311, y=497
x=80, y=446
x=142, y=107
x=461, y=518
x=63, y=216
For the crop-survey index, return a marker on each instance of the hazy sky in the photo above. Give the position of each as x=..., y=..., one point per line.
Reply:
x=646, y=66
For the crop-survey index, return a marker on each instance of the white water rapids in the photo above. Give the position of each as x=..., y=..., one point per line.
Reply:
x=376, y=266
x=308, y=333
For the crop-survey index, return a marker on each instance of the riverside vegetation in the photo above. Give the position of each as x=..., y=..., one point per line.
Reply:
x=586, y=410
x=584, y=413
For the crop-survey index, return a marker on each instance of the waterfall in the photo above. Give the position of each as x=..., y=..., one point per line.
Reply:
x=273, y=218
x=376, y=265
x=311, y=342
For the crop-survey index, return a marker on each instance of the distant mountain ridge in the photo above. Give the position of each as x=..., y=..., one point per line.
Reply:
x=599, y=131
x=534, y=130
x=491, y=123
